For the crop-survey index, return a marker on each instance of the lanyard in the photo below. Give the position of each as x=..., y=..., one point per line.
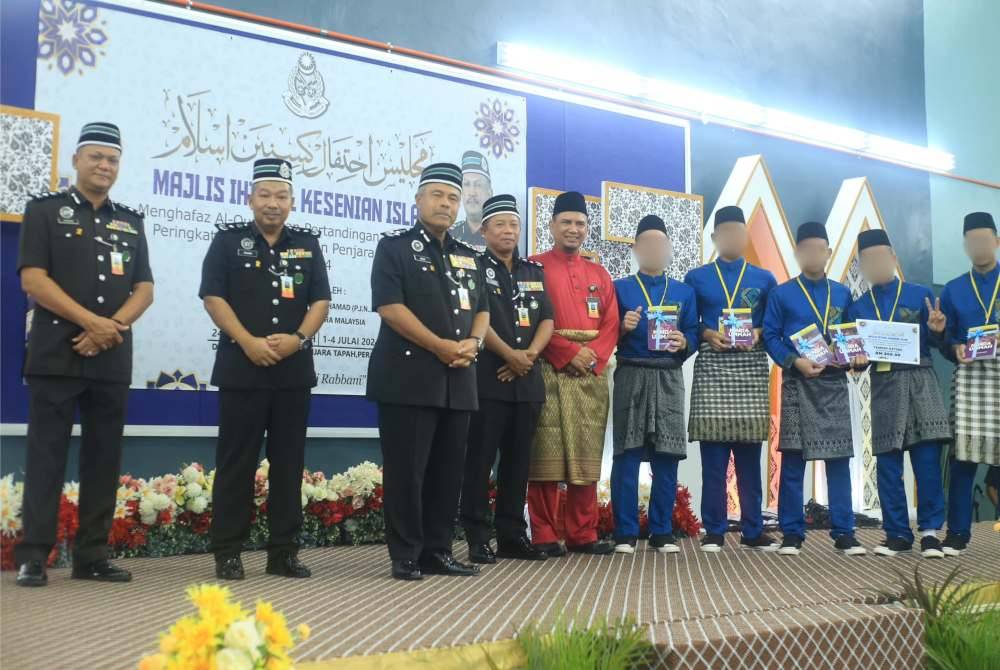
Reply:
x=736, y=289
x=987, y=311
x=826, y=312
x=649, y=302
x=871, y=292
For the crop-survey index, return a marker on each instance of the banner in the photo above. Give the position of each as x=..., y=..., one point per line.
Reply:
x=197, y=106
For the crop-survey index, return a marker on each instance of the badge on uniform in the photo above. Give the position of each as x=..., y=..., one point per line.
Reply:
x=296, y=253
x=117, y=263
x=593, y=307
x=530, y=286
x=467, y=262
x=66, y=216
x=463, y=298
x=523, y=317
x=122, y=226
x=287, y=286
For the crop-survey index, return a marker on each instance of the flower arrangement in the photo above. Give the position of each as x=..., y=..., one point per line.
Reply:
x=222, y=636
x=171, y=514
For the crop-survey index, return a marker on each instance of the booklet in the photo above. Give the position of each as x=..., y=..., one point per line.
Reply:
x=846, y=343
x=736, y=325
x=810, y=344
x=982, y=342
x=660, y=321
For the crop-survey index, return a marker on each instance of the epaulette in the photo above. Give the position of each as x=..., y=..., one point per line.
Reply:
x=305, y=230
x=395, y=233
x=131, y=210
x=223, y=227
x=466, y=245
x=45, y=196
x=533, y=262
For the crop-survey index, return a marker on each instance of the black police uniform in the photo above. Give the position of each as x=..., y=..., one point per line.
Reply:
x=423, y=405
x=248, y=274
x=463, y=233
x=80, y=248
x=508, y=411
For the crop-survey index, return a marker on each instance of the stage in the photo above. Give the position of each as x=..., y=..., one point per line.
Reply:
x=735, y=609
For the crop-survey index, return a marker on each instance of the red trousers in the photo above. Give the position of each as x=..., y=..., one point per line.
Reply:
x=580, y=519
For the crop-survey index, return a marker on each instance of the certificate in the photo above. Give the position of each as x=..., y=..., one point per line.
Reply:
x=890, y=342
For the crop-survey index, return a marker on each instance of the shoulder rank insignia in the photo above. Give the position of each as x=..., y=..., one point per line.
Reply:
x=130, y=210
x=305, y=230
x=223, y=227
x=395, y=233
x=45, y=196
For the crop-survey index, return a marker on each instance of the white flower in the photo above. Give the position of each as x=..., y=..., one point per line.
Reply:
x=193, y=490
x=233, y=659
x=243, y=635
x=198, y=505
x=72, y=492
x=11, y=497
x=192, y=474
x=147, y=513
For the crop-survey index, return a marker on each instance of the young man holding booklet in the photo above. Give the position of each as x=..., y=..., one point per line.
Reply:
x=815, y=409
x=970, y=303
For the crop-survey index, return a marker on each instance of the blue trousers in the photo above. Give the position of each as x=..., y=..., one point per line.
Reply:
x=714, y=462
x=925, y=459
x=625, y=492
x=962, y=474
x=791, y=515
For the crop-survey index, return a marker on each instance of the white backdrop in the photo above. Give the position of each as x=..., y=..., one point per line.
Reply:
x=196, y=107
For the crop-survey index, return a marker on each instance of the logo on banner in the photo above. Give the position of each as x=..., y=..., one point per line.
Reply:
x=305, y=96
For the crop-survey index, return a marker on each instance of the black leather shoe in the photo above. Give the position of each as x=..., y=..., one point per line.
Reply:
x=553, y=549
x=101, y=571
x=286, y=565
x=594, y=548
x=229, y=568
x=520, y=549
x=406, y=570
x=32, y=573
x=445, y=564
x=482, y=553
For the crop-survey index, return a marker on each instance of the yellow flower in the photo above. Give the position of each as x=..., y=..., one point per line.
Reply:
x=304, y=631
x=278, y=663
x=154, y=662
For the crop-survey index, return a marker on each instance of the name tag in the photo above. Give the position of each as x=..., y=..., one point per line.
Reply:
x=420, y=258
x=466, y=262
x=530, y=286
x=523, y=317
x=122, y=226
x=593, y=308
x=463, y=298
x=117, y=263
x=287, y=286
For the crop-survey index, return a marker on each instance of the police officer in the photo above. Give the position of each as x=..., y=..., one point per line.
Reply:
x=84, y=261
x=511, y=390
x=265, y=286
x=428, y=289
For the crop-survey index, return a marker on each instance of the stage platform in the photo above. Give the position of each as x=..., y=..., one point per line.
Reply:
x=736, y=609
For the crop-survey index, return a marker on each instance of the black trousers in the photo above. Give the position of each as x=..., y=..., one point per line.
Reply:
x=53, y=402
x=423, y=451
x=245, y=416
x=507, y=428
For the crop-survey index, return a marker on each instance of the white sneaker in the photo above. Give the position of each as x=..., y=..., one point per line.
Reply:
x=627, y=547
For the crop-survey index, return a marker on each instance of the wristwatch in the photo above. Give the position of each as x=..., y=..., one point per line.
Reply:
x=304, y=342
x=481, y=342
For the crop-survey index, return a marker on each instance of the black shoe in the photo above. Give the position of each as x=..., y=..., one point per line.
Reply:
x=553, y=549
x=229, y=568
x=665, y=544
x=101, y=571
x=482, y=553
x=286, y=564
x=520, y=549
x=712, y=543
x=597, y=548
x=791, y=545
x=849, y=546
x=32, y=573
x=445, y=564
x=930, y=547
x=762, y=542
x=954, y=545
x=625, y=545
x=892, y=546
x=406, y=570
